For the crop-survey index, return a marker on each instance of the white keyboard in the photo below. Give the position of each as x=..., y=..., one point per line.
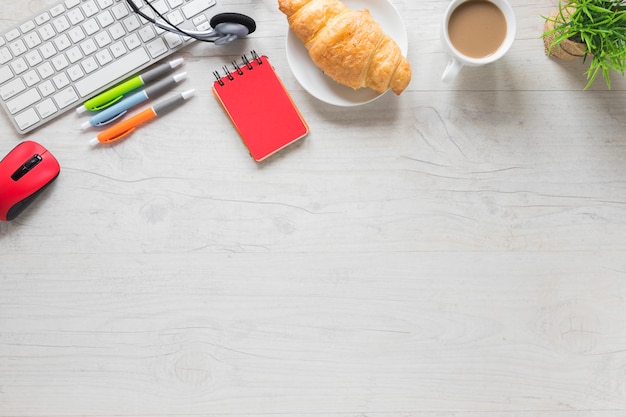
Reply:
x=56, y=59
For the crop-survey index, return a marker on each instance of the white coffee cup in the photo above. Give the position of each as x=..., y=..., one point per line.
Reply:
x=459, y=59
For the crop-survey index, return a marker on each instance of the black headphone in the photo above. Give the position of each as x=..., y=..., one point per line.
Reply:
x=225, y=27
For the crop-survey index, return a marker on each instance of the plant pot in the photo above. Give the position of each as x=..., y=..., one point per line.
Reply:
x=567, y=49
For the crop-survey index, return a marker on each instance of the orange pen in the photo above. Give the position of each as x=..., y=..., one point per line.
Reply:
x=125, y=128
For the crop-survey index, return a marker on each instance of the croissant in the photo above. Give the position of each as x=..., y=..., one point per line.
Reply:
x=348, y=45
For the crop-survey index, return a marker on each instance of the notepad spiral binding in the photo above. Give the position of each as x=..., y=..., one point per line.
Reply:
x=237, y=68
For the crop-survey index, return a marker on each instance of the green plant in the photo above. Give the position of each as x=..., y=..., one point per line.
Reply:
x=601, y=26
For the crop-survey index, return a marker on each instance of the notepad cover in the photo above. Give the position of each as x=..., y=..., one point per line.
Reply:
x=260, y=108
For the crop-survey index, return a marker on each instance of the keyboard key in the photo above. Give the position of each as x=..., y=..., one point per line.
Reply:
x=47, y=50
x=12, y=35
x=33, y=58
x=104, y=57
x=131, y=23
x=11, y=89
x=62, y=42
x=103, y=39
x=57, y=10
x=42, y=18
x=120, y=11
x=61, y=24
x=5, y=74
x=19, y=65
x=132, y=41
x=75, y=72
x=117, y=31
x=118, y=49
x=45, y=70
x=204, y=26
x=46, y=32
x=19, y=103
x=91, y=27
x=5, y=55
x=18, y=47
x=74, y=54
x=198, y=20
x=32, y=40
x=27, y=26
x=46, y=108
x=31, y=78
x=27, y=119
x=173, y=40
x=76, y=34
x=105, y=19
x=122, y=66
x=90, y=8
x=176, y=18
x=193, y=8
x=46, y=88
x=105, y=3
x=60, y=62
x=160, y=6
x=89, y=65
x=61, y=80
x=65, y=97
x=146, y=33
x=157, y=48
x=88, y=47
x=76, y=16
x=71, y=3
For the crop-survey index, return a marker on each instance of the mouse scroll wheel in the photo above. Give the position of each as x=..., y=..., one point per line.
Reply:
x=27, y=166
x=32, y=162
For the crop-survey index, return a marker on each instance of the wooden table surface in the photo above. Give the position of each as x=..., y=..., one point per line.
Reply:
x=457, y=251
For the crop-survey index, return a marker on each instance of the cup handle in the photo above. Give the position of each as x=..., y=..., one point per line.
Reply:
x=452, y=70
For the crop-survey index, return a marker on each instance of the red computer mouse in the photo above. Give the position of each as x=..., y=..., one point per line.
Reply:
x=24, y=173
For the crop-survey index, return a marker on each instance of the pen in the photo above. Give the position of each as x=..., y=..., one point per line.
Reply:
x=116, y=93
x=120, y=108
x=125, y=128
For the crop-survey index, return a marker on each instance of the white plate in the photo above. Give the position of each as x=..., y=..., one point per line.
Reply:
x=325, y=88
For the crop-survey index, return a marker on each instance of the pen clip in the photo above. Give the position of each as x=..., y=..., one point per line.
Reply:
x=104, y=106
x=120, y=136
x=111, y=119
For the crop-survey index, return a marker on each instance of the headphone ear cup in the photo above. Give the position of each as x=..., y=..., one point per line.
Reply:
x=239, y=18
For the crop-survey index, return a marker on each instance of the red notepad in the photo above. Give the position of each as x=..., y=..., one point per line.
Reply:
x=259, y=106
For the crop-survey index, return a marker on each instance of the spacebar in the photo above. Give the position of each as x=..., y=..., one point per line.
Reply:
x=110, y=73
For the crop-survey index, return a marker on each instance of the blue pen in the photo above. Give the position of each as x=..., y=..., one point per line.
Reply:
x=121, y=108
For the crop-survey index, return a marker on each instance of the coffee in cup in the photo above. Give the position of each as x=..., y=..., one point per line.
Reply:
x=476, y=32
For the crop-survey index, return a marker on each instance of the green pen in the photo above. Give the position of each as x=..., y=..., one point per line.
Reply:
x=116, y=93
